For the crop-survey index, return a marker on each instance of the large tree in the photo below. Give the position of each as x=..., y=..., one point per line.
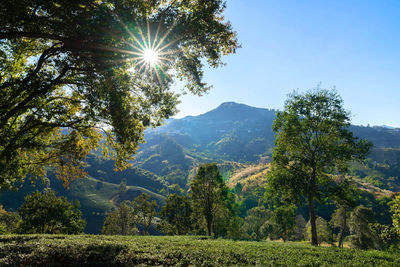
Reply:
x=73, y=71
x=312, y=143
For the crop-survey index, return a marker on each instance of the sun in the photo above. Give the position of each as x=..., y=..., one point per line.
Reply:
x=150, y=56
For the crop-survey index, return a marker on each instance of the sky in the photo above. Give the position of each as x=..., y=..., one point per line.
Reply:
x=350, y=45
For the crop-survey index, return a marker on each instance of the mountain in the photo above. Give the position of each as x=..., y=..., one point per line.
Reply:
x=230, y=132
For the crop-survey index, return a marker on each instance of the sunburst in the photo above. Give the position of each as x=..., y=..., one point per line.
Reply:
x=150, y=53
x=150, y=56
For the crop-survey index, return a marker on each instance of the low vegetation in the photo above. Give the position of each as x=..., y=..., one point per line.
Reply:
x=181, y=251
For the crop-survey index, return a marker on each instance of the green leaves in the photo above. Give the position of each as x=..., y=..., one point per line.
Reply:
x=75, y=68
x=46, y=213
x=312, y=143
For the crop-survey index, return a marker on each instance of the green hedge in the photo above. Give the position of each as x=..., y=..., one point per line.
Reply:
x=86, y=250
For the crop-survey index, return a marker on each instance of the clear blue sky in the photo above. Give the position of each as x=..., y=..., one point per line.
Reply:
x=353, y=45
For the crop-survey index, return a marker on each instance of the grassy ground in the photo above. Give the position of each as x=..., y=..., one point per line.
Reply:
x=59, y=250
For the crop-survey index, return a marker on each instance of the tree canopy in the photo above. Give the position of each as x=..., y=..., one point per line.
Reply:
x=45, y=213
x=74, y=71
x=312, y=143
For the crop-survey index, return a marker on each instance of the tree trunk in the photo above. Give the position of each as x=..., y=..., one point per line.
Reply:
x=314, y=237
x=209, y=227
x=342, y=227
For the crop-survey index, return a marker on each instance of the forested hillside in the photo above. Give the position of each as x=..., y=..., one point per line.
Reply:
x=236, y=136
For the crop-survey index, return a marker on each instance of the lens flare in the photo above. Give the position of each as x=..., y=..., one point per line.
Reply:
x=150, y=56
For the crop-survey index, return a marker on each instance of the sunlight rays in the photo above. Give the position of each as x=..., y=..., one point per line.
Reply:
x=150, y=53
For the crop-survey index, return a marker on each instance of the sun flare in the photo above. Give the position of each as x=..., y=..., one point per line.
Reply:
x=150, y=56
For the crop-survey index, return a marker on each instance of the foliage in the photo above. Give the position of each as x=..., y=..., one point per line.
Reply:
x=256, y=224
x=121, y=221
x=226, y=222
x=395, y=209
x=386, y=234
x=299, y=231
x=312, y=141
x=69, y=69
x=176, y=215
x=208, y=192
x=46, y=213
x=145, y=210
x=283, y=221
x=324, y=233
x=345, y=195
x=9, y=221
x=43, y=250
x=362, y=236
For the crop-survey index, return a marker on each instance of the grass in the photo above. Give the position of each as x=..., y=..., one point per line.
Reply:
x=90, y=250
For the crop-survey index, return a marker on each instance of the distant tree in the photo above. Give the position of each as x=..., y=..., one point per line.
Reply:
x=395, y=209
x=312, y=141
x=121, y=221
x=71, y=68
x=324, y=232
x=386, y=235
x=145, y=210
x=362, y=236
x=299, y=230
x=9, y=221
x=283, y=221
x=122, y=186
x=256, y=223
x=208, y=192
x=176, y=189
x=226, y=221
x=344, y=195
x=176, y=215
x=45, y=213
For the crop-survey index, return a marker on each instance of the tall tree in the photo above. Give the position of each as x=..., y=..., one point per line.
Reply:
x=208, y=192
x=73, y=71
x=312, y=142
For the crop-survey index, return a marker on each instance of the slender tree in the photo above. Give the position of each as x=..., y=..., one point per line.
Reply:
x=312, y=142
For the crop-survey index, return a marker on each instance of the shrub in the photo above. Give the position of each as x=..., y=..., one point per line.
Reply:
x=45, y=213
